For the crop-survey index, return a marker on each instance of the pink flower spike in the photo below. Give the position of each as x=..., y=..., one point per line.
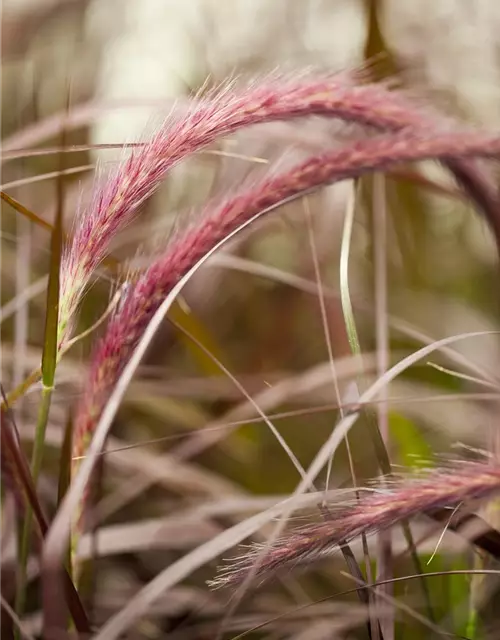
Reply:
x=145, y=295
x=118, y=197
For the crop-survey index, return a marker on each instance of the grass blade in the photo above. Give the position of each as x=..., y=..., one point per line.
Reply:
x=352, y=335
x=182, y=316
x=20, y=208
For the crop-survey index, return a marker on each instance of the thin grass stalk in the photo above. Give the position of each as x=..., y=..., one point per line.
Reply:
x=352, y=338
x=473, y=619
x=374, y=626
x=17, y=476
x=48, y=371
x=27, y=530
x=345, y=549
x=379, y=219
x=20, y=208
x=145, y=295
x=64, y=479
x=34, y=377
x=379, y=445
x=10, y=475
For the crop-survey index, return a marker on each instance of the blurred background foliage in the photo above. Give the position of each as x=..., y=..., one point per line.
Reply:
x=123, y=63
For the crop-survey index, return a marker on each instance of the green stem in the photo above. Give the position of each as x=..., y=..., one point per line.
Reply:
x=36, y=465
x=472, y=623
x=352, y=336
x=22, y=388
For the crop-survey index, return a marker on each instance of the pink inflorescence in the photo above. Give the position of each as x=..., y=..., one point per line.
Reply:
x=400, y=134
x=145, y=295
x=375, y=512
x=118, y=196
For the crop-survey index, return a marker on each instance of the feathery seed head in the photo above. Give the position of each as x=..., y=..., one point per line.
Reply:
x=372, y=513
x=118, y=196
x=219, y=221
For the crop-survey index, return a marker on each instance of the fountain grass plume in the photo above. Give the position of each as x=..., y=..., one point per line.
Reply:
x=118, y=196
x=143, y=296
x=387, y=504
x=117, y=199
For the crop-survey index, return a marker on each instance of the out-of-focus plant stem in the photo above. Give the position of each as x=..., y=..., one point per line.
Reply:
x=36, y=465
